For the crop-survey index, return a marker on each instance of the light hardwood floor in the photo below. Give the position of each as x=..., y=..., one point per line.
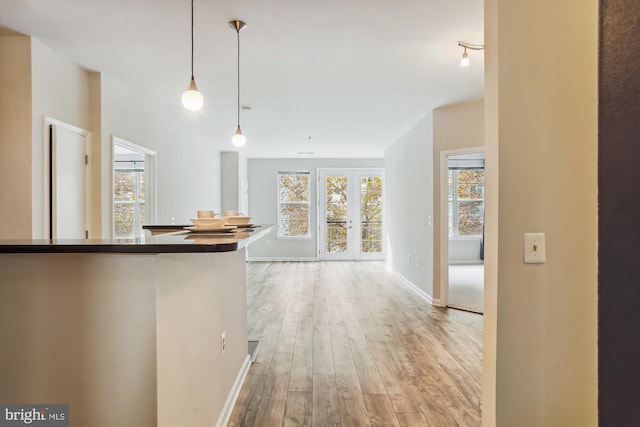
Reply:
x=347, y=344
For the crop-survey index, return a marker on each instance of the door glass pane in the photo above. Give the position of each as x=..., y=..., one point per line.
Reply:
x=371, y=214
x=336, y=225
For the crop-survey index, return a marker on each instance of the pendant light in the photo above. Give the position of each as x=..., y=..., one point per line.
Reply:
x=238, y=139
x=464, y=62
x=191, y=98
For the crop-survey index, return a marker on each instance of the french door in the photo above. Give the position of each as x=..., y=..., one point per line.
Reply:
x=350, y=219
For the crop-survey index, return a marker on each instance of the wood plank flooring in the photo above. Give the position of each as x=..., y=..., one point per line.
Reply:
x=347, y=344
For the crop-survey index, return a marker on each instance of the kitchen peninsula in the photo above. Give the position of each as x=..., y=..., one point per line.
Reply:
x=139, y=332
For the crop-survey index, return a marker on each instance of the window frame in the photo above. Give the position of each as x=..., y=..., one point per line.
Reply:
x=280, y=234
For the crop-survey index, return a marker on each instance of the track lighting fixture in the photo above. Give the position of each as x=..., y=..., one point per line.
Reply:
x=464, y=62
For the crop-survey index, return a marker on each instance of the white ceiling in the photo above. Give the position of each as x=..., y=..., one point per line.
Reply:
x=339, y=78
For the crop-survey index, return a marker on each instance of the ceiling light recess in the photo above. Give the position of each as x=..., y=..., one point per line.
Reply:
x=238, y=139
x=464, y=62
x=191, y=98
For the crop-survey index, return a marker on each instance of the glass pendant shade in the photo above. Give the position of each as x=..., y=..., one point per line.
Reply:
x=464, y=62
x=191, y=98
x=238, y=139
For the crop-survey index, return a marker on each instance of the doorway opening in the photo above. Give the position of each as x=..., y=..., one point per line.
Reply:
x=133, y=194
x=465, y=231
x=351, y=212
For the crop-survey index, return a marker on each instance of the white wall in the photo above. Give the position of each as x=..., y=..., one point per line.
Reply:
x=465, y=250
x=263, y=202
x=187, y=163
x=233, y=175
x=409, y=205
x=541, y=336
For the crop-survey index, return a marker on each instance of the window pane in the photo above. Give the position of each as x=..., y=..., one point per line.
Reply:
x=470, y=216
x=124, y=186
x=294, y=187
x=371, y=214
x=294, y=220
x=471, y=184
x=336, y=225
x=336, y=237
x=142, y=187
x=124, y=220
x=142, y=210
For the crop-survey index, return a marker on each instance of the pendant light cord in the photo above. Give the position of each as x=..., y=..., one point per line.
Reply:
x=238, y=34
x=192, y=40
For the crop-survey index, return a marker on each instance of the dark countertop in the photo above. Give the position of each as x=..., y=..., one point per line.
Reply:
x=176, y=242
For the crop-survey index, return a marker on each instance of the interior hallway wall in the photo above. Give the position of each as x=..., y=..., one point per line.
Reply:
x=409, y=206
x=544, y=109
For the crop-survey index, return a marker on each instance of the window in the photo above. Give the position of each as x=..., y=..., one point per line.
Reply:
x=293, y=204
x=129, y=200
x=466, y=202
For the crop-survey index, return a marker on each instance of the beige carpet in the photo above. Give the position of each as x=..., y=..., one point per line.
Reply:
x=466, y=287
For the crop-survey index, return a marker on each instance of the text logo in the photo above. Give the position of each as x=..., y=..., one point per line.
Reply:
x=34, y=415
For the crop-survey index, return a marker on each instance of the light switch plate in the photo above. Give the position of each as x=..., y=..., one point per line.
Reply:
x=534, y=248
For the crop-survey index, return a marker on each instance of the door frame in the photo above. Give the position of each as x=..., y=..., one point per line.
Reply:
x=47, y=122
x=351, y=174
x=150, y=176
x=444, y=217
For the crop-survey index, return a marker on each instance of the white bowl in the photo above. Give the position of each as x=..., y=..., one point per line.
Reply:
x=208, y=222
x=237, y=220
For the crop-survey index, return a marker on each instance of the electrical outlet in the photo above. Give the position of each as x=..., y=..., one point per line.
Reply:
x=267, y=242
x=223, y=342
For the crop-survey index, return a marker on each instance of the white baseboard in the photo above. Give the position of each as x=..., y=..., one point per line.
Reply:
x=276, y=259
x=422, y=294
x=227, y=409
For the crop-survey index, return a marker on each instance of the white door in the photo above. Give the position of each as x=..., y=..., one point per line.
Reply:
x=68, y=182
x=350, y=214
